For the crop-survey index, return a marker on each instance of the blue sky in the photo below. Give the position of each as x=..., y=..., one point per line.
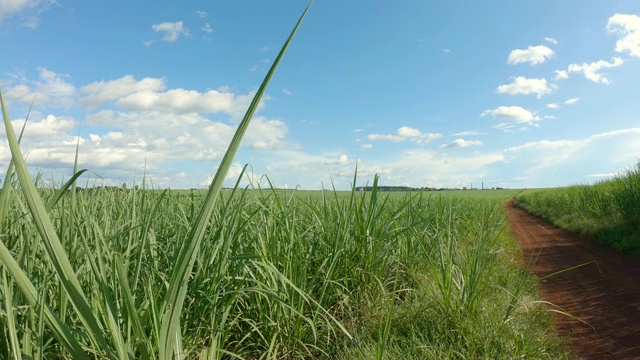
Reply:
x=510, y=93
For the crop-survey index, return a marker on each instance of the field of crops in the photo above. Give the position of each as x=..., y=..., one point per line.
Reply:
x=278, y=275
x=608, y=211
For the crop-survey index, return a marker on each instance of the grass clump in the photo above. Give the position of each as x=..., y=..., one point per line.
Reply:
x=608, y=211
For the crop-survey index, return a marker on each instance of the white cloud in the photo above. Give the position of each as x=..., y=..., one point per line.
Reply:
x=591, y=71
x=9, y=8
x=446, y=51
x=416, y=167
x=202, y=14
x=515, y=113
x=22, y=93
x=551, y=40
x=406, y=133
x=366, y=146
x=525, y=86
x=461, y=143
x=100, y=92
x=572, y=101
x=533, y=54
x=172, y=31
x=429, y=168
x=121, y=137
x=613, y=147
x=54, y=84
x=274, y=130
x=553, y=106
x=207, y=28
x=469, y=133
x=561, y=75
x=286, y=92
x=49, y=126
x=506, y=127
x=186, y=101
x=343, y=159
x=628, y=27
x=52, y=89
x=602, y=175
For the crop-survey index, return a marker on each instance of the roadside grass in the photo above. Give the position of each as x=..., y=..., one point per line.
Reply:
x=608, y=211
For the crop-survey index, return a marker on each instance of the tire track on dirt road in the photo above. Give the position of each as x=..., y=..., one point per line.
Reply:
x=604, y=293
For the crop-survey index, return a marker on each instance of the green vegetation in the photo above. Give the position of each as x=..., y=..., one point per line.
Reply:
x=608, y=211
x=386, y=275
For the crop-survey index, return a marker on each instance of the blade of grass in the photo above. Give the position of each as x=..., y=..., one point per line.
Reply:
x=130, y=309
x=60, y=192
x=62, y=332
x=571, y=268
x=53, y=246
x=11, y=321
x=174, y=299
x=5, y=195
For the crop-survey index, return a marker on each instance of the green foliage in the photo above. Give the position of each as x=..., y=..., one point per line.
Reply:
x=279, y=273
x=608, y=211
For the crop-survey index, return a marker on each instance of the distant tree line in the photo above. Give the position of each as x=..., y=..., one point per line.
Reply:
x=408, y=188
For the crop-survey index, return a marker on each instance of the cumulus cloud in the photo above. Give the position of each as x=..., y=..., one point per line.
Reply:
x=51, y=88
x=553, y=106
x=515, y=113
x=533, y=55
x=525, y=86
x=100, y=92
x=628, y=28
x=186, y=101
x=406, y=133
x=461, y=143
x=275, y=129
x=49, y=126
x=591, y=71
x=123, y=132
x=171, y=31
x=551, y=40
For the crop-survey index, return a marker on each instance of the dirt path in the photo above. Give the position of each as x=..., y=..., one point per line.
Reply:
x=605, y=293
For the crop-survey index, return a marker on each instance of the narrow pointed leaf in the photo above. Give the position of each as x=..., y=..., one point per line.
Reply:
x=174, y=299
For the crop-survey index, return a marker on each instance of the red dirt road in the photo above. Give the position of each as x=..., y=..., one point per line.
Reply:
x=605, y=293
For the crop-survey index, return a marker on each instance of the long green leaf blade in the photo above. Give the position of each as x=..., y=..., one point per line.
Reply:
x=53, y=246
x=174, y=299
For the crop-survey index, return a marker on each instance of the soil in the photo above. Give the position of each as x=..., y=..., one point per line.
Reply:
x=604, y=294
